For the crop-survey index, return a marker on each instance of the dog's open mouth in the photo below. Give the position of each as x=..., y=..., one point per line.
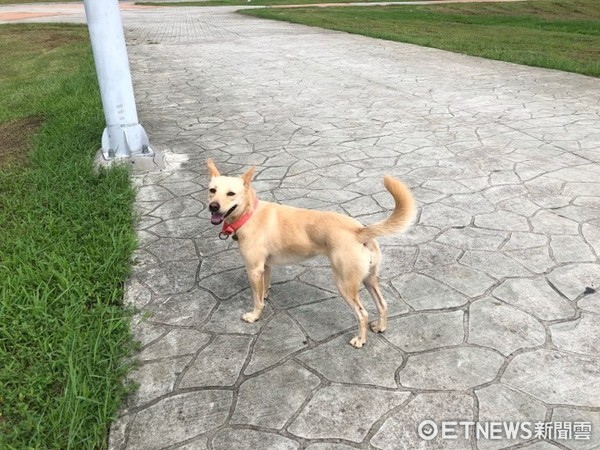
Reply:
x=217, y=218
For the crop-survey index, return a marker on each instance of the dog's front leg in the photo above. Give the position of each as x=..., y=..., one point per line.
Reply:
x=267, y=282
x=256, y=274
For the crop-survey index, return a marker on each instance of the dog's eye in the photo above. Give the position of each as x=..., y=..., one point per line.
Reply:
x=230, y=194
x=212, y=190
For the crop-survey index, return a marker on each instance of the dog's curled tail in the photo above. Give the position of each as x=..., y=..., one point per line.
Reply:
x=402, y=216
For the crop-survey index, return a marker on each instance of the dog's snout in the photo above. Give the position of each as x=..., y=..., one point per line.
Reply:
x=214, y=207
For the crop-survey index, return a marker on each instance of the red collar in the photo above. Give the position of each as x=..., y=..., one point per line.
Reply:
x=231, y=228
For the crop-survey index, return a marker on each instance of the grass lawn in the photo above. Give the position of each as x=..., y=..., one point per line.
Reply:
x=556, y=34
x=256, y=2
x=66, y=236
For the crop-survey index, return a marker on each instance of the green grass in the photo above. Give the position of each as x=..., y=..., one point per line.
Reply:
x=256, y=2
x=66, y=237
x=555, y=34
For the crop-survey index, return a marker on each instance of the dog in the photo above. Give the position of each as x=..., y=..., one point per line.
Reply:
x=270, y=234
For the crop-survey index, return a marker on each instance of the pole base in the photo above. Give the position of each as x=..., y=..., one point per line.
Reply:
x=152, y=162
x=120, y=141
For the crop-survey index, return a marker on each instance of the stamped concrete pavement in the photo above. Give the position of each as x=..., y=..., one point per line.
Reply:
x=493, y=292
x=495, y=313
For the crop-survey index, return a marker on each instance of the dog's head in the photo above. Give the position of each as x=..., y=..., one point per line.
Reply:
x=227, y=196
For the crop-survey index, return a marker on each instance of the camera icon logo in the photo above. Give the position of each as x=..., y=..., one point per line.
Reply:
x=427, y=430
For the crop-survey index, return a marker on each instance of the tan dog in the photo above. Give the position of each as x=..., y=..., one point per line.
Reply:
x=270, y=234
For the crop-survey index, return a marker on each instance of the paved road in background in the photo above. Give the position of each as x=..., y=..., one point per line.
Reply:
x=493, y=293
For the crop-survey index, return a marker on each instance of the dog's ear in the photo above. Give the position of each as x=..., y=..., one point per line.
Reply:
x=247, y=177
x=212, y=169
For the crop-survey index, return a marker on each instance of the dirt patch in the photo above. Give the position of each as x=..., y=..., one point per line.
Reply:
x=43, y=37
x=57, y=38
x=15, y=138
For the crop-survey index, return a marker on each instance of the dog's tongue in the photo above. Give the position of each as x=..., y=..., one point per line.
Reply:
x=216, y=218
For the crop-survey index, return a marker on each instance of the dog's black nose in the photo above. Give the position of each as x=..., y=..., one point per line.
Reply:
x=214, y=207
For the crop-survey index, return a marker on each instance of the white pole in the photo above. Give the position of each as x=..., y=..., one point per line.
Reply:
x=123, y=136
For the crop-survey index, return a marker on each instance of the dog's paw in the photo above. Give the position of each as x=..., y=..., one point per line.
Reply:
x=357, y=342
x=250, y=317
x=376, y=328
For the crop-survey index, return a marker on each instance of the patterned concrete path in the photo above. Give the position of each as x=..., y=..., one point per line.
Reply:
x=493, y=293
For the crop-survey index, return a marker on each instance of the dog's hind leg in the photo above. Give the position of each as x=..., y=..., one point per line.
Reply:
x=347, y=280
x=379, y=325
x=352, y=299
x=350, y=264
x=372, y=285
